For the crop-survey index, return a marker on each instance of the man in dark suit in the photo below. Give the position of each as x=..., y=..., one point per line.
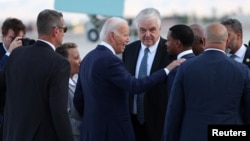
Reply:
x=13, y=31
x=235, y=46
x=148, y=24
x=208, y=89
x=180, y=38
x=36, y=82
x=101, y=94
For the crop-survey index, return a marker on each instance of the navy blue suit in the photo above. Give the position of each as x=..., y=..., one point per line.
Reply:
x=3, y=57
x=172, y=73
x=208, y=89
x=2, y=50
x=102, y=94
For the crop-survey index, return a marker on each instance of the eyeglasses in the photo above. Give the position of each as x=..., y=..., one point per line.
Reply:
x=65, y=28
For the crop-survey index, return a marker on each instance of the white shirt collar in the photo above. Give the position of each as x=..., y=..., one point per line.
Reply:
x=215, y=49
x=5, y=47
x=71, y=82
x=51, y=45
x=241, y=51
x=108, y=46
x=184, y=53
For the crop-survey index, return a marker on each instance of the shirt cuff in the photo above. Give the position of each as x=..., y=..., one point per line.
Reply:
x=166, y=70
x=7, y=53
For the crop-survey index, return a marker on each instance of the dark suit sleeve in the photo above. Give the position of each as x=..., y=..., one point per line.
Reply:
x=246, y=99
x=3, y=61
x=58, y=98
x=116, y=73
x=2, y=90
x=175, y=110
x=78, y=97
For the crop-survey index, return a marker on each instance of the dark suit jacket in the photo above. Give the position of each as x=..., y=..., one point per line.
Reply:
x=246, y=59
x=3, y=57
x=103, y=86
x=172, y=73
x=2, y=50
x=208, y=89
x=36, y=98
x=155, y=99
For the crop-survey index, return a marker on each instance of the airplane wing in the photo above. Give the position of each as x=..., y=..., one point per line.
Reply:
x=92, y=7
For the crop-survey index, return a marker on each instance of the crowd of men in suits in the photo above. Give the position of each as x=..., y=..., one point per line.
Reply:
x=162, y=89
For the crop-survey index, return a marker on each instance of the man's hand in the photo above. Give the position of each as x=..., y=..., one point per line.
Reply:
x=175, y=63
x=17, y=42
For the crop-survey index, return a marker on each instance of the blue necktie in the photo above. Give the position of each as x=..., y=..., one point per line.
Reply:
x=140, y=97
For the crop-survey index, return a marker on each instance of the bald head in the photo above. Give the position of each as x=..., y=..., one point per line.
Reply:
x=197, y=29
x=216, y=36
x=199, y=39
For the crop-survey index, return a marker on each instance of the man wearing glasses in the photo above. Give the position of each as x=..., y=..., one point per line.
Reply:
x=36, y=83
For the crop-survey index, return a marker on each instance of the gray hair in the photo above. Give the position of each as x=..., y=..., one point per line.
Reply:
x=111, y=25
x=234, y=24
x=148, y=13
x=47, y=19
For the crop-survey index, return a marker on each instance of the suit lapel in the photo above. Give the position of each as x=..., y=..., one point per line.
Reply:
x=161, y=51
x=134, y=57
x=246, y=59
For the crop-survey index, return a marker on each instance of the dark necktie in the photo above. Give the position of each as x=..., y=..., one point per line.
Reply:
x=140, y=97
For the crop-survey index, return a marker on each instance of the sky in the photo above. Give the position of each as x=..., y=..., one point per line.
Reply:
x=28, y=9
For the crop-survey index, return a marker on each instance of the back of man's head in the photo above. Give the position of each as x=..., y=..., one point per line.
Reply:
x=183, y=33
x=216, y=35
x=47, y=20
x=199, y=39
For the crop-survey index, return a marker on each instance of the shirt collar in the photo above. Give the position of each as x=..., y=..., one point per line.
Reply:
x=108, y=46
x=215, y=49
x=241, y=51
x=5, y=47
x=184, y=53
x=71, y=82
x=51, y=45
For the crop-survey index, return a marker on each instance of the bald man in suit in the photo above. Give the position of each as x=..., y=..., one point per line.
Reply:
x=208, y=89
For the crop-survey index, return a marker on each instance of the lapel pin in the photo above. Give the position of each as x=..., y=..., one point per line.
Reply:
x=247, y=60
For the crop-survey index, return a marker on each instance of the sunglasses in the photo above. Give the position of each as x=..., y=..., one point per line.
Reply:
x=65, y=28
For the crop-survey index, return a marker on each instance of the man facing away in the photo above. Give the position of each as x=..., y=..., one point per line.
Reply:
x=199, y=39
x=36, y=83
x=208, y=89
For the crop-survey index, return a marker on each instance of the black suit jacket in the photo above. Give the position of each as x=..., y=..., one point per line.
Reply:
x=36, y=95
x=246, y=59
x=155, y=99
x=2, y=50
